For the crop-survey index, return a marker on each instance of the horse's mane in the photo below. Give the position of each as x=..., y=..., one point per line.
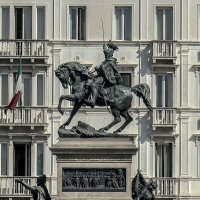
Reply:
x=75, y=66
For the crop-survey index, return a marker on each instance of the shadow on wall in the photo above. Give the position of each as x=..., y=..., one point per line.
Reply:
x=145, y=127
x=145, y=57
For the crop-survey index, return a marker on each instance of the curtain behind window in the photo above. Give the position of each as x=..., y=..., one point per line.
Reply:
x=5, y=23
x=27, y=22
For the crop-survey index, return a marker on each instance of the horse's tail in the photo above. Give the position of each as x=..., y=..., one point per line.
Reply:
x=143, y=91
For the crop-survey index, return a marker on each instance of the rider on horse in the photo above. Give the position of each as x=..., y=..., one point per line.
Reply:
x=107, y=74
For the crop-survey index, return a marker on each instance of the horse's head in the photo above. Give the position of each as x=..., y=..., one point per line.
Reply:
x=62, y=73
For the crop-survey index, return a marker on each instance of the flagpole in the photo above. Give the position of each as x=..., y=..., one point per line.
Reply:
x=20, y=100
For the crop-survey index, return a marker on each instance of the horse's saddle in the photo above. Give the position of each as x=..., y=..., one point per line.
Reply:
x=107, y=94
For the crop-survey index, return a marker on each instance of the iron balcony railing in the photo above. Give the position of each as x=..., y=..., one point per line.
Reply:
x=9, y=186
x=25, y=48
x=27, y=116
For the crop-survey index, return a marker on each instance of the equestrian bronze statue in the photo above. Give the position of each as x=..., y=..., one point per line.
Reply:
x=101, y=88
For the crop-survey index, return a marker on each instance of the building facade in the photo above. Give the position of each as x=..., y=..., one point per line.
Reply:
x=159, y=44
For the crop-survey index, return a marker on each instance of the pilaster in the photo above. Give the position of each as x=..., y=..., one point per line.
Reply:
x=56, y=83
x=184, y=77
x=184, y=149
x=33, y=157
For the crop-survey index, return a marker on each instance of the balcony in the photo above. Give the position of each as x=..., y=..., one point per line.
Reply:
x=164, y=51
x=10, y=188
x=167, y=187
x=24, y=116
x=26, y=48
x=164, y=117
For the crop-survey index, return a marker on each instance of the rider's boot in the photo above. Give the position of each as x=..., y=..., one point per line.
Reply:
x=93, y=96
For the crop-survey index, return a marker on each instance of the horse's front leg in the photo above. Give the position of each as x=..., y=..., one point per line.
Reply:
x=73, y=112
x=64, y=97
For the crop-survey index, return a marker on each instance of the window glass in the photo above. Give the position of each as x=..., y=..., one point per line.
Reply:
x=126, y=77
x=164, y=90
x=5, y=22
x=164, y=20
x=123, y=23
x=164, y=160
x=40, y=89
x=40, y=23
x=4, y=89
x=77, y=23
x=40, y=156
x=4, y=159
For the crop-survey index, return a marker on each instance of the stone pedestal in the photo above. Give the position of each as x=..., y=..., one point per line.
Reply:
x=94, y=168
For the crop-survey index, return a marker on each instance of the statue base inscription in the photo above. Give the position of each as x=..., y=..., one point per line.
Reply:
x=94, y=168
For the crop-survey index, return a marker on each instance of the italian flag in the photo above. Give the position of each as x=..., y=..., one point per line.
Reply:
x=18, y=91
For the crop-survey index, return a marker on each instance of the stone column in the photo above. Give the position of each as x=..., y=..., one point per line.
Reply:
x=33, y=157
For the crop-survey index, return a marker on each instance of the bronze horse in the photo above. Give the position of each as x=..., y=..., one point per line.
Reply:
x=117, y=97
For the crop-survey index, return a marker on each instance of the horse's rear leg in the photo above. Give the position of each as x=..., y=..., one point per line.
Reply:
x=128, y=119
x=117, y=119
x=73, y=112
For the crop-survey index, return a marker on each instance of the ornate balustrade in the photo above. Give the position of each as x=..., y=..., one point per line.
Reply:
x=164, y=117
x=166, y=186
x=9, y=186
x=25, y=48
x=24, y=116
x=164, y=50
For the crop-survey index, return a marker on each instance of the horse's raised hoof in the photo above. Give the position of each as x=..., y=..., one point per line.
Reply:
x=62, y=127
x=61, y=111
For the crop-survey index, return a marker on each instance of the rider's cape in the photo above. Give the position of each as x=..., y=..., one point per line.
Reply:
x=110, y=72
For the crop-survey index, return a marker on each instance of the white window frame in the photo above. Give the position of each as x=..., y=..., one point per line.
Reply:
x=114, y=37
x=164, y=6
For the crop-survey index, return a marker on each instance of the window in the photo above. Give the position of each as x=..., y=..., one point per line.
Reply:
x=123, y=23
x=164, y=90
x=4, y=159
x=126, y=77
x=26, y=98
x=77, y=23
x=164, y=160
x=4, y=89
x=23, y=23
x=40, y=89
x=5, y=22
x=40, y=157
x=164, y=19
x=40, y=23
